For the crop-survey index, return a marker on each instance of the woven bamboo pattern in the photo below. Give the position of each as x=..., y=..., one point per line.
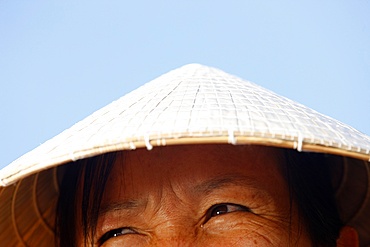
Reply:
x=189, y=105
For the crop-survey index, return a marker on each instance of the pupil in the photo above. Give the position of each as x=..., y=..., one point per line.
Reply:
x=219, y=210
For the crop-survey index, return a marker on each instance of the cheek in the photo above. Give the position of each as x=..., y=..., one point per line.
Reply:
x=240, y=230
x=243, y=238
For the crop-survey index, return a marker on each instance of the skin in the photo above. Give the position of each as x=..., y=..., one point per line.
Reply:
x=199, y=195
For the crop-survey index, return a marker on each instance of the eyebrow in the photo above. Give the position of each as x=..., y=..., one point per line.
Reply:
x=203, y=188
x=229, y=180
x=121, y=205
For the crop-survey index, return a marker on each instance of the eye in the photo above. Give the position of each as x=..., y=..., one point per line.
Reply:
x=224, y=208
x=116, y=233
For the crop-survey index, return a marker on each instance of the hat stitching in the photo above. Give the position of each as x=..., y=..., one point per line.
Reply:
x=19, y=237
x=37, y=208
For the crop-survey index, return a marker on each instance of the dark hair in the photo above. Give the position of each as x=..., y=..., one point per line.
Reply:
x=310, y=186
x=307, y=175
x=85, y=177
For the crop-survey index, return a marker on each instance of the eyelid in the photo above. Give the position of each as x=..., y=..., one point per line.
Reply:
x=111, y=234
x=209, y=215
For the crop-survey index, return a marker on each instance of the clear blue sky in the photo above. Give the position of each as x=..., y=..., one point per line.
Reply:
x=62, y=60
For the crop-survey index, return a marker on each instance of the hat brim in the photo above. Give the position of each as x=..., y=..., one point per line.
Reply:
x=194, y=104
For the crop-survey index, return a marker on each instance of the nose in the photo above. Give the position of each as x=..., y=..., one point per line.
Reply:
x=176, y=235
x=174, y=241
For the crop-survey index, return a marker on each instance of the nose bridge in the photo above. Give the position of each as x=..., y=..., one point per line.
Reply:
x=175, y=228
x=174, y=241
x=176, y=223
x=175, y=232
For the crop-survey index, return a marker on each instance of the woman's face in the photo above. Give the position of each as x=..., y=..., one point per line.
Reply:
x=198, y=195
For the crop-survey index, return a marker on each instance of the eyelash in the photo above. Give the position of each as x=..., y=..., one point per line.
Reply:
x=227, y=208
x=211, y=212
x=115, y=233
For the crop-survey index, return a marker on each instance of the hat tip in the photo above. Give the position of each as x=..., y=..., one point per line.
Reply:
x=193, y=66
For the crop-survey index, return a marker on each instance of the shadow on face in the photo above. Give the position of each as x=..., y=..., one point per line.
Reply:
x=198, y=195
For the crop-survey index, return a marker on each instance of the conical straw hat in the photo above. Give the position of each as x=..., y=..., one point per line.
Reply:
x=190, y=105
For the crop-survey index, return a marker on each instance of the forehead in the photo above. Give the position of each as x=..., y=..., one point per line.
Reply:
x=142, y=171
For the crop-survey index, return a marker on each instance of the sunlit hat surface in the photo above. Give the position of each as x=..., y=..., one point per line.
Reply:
x=194, y=104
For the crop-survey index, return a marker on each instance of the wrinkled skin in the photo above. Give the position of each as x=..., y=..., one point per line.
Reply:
x=199, y=195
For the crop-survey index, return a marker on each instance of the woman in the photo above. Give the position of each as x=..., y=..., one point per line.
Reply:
x=156, y=168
